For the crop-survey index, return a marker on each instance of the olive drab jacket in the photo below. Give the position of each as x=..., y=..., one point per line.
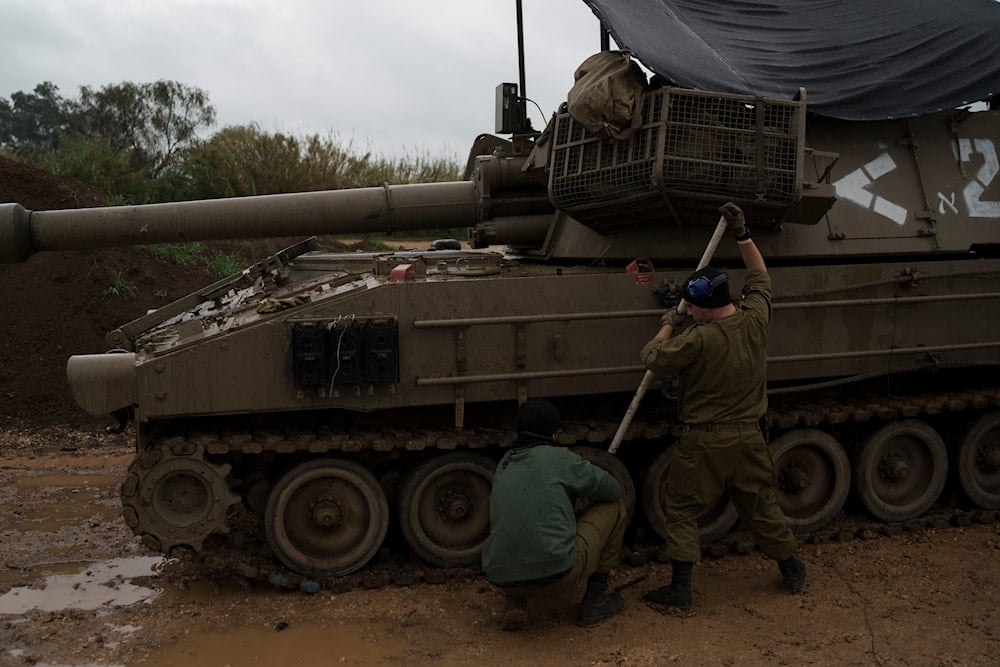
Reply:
x=721, y=365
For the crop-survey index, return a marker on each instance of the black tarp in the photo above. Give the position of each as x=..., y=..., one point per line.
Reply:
x=857, y=59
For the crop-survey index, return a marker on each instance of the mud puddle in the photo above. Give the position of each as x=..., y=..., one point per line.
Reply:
x=65, y=479
x=59, y=528
x=336, y=643
x=84, y=586
x=54, y=501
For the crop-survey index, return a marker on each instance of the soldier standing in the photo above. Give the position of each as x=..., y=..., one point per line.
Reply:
x=721, y=363
x=537, y=546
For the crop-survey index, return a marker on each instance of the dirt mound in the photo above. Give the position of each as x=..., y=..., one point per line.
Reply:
x=62, y=303
x=40, y=190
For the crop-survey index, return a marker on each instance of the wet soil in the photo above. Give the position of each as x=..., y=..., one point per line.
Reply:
x=76, y=588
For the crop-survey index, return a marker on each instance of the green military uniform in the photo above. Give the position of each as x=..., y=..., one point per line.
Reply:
x=537, y=546
x=721, y=366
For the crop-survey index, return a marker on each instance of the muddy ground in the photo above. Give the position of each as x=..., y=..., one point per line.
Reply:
x=76, y=588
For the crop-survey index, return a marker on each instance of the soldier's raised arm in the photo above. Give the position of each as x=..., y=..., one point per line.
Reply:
x=738, y=226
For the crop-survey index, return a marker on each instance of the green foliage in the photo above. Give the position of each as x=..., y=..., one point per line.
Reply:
x=121, y=288
x=222, y=264
x=244, y=160
x=153, y=123
x=195, y=253
x=419, y=168
x=145, y=126
x=140, y=144
x=95, y=162
x=181, y=254
x=30, y=122
x=257, y=254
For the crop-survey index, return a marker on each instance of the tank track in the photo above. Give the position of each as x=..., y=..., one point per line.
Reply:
x=231, y=554
x=389, y=571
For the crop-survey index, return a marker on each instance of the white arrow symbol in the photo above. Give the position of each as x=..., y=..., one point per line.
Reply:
x=854, y=187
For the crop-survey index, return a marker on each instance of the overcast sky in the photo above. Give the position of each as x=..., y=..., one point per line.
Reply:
x=398, y=77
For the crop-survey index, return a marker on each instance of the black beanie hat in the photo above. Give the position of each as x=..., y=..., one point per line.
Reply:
x=707, y=288
x=538, y=416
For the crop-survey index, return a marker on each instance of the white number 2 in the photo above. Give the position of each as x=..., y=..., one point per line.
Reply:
x=978, y=208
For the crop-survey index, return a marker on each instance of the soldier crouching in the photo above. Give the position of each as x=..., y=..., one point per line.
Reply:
x=538, y=547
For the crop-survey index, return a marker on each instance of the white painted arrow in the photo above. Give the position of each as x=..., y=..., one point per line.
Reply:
x=856, y=185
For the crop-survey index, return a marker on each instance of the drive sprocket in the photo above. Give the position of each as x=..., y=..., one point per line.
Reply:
x=173, y=498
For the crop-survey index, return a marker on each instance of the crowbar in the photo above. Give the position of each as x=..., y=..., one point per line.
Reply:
x=647, y=379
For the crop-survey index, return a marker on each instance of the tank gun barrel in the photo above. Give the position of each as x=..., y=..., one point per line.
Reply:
x=376, y=209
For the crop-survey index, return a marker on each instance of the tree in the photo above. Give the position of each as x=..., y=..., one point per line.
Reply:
x=242, y=160
x=31, y=122
x=151, y=122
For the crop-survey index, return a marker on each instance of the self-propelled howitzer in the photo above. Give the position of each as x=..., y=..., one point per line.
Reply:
x=287, y=414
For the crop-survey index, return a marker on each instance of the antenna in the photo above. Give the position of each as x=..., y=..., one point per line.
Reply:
x=511, y=99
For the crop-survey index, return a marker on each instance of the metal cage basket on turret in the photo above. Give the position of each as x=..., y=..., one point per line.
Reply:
x=692, y=150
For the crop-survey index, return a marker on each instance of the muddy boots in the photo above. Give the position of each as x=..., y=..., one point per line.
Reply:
x=676, y=597
x=515, y=614
x=793, y=574
x=598, y=604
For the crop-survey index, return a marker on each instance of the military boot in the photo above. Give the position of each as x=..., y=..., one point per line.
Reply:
x=793, y=574
x=675, y=597
x=598, y=604
x=515, y=614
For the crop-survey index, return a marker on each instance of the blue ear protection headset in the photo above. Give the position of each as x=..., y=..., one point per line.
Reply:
x=701, y=287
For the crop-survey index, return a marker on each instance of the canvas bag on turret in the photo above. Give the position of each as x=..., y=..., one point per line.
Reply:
x=607, y=96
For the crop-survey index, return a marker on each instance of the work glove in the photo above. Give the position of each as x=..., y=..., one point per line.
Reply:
x=273, y=305
x=674, y=318
x=735, y=221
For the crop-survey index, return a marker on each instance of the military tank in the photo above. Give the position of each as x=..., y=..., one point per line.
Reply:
x=288, y=416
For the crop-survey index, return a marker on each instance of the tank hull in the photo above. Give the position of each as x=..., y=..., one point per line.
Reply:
x=384, y=372
x=533, y=329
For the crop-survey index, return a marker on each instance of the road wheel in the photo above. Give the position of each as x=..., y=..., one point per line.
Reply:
x=813, y=476
x=900, y=470
x=326, y=518
x=979, y=462
x=444, y=508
